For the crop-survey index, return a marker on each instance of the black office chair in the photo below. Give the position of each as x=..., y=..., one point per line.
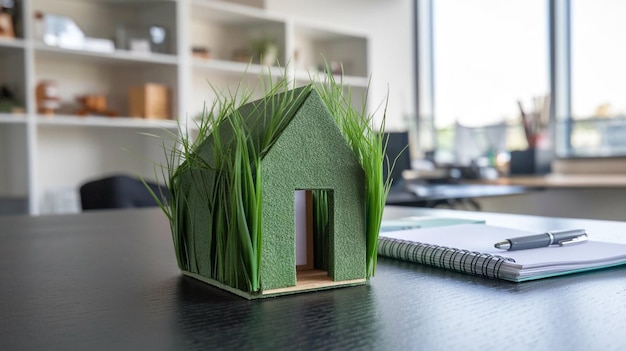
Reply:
x=120, y=191
x=398, y=151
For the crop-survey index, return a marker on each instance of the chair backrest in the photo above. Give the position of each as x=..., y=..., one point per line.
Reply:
x=398, y=151
x=119, y=191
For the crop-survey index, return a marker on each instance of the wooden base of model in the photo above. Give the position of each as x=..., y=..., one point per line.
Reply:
x=309, y=280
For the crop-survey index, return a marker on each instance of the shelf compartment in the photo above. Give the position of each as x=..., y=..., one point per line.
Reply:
x=13, y=74
x=205, y=81
x=106, y=19
x=75, y=78
x=231, y=30
x=12, y=118
x=314, y=47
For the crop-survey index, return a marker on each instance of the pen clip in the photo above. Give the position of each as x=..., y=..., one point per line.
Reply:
x=575, y=240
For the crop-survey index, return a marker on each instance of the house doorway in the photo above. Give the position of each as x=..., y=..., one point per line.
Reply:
x=313, y=227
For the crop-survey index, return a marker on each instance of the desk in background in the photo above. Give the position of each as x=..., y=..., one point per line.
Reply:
x=108, y=281
x=582, y=195
x=560, y=181
x=13, y=206
x=449, y=195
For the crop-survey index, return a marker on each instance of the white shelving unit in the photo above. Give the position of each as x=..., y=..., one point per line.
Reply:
x=46, y=158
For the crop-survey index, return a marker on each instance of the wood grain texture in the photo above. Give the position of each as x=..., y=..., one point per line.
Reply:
x=108, y=281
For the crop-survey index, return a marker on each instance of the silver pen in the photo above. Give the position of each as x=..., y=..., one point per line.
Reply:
x=557, y=237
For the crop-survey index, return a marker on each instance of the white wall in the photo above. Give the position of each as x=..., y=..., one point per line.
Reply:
x=388, y=23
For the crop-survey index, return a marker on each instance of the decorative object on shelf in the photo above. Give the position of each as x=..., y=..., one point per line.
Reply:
x=201, y=52
x=158, y=39
x=265, y=51
x=139, y=45
x=99, y=45
x=233, y=191
x=150, y=101
x=144, y=39
x=334, y=67
x=11, y=19
x=242, y=55
x=47, y=96
x=62, y=31
x=94, y=105
x=6, y=26
x=8, y=102
x=39, y=26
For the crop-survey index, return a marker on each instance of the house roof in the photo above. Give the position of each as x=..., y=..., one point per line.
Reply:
x=263, y=120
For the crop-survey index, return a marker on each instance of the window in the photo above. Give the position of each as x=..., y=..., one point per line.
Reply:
x=478, y=58
x=487, y=56
x=597, y=124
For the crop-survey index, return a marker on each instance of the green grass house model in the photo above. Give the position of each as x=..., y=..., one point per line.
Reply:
x=279, y=195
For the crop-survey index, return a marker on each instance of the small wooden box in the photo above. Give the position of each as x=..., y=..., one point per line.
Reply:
x=150, y=101
x=6, y=26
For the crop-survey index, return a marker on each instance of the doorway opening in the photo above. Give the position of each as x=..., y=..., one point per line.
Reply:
x=313, y=218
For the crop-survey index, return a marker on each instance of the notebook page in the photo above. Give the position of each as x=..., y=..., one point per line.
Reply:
x=482, y=237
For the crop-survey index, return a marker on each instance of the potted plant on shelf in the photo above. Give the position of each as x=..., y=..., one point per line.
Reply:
x=265, y=51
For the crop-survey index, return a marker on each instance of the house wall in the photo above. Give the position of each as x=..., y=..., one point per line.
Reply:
x=299, y=159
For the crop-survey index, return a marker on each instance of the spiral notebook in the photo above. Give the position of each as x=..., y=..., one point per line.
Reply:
x=468, y=248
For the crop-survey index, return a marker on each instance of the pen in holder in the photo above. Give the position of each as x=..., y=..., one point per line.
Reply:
x=534, y=159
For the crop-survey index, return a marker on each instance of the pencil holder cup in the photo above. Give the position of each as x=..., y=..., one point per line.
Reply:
x=530, y=161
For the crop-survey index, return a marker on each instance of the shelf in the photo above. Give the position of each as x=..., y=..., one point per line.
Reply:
x=231, y=13
x=348, y=81
x=324, y=32
x=337, y=47
x=231, y=30
x=233, y=34
x=117, y=56
x=12, y=118
x=95, y=121
x=237, y=68
x=16, y=43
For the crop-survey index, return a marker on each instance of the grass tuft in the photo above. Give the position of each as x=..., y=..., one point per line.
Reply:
x=369, y=146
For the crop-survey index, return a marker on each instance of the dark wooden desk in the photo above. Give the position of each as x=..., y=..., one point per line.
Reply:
x=108, y=281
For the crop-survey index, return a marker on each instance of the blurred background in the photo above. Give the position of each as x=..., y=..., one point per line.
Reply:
x=484, y=92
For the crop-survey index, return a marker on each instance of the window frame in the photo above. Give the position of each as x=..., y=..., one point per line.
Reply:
x=560, y=126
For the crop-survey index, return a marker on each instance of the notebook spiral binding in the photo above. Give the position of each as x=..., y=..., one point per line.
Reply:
x=465, y=261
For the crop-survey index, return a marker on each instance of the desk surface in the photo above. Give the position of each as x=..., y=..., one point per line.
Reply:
x=108, y=281
x=408, y=194
x=561, y=181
